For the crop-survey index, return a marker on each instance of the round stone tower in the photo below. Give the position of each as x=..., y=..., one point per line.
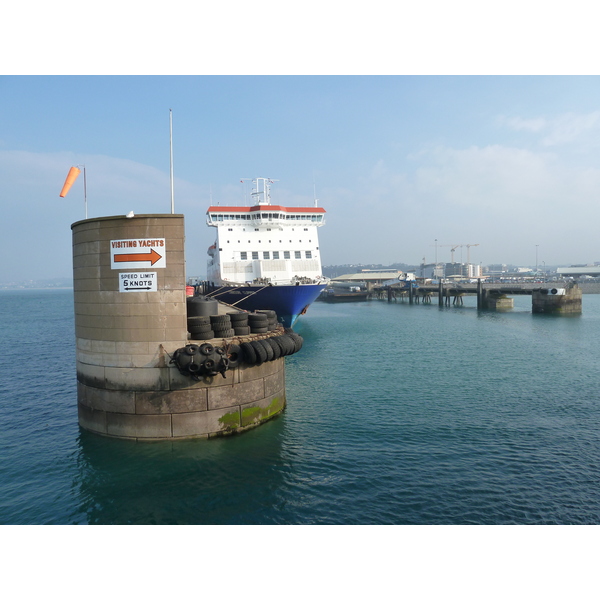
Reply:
x=130, y=317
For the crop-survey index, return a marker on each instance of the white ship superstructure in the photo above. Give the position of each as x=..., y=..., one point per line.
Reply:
x=265, y=243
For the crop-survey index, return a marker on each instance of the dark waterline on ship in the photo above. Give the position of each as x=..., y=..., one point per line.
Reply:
x=396, y=414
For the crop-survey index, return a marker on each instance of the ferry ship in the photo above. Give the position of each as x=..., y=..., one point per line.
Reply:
x=266, y=256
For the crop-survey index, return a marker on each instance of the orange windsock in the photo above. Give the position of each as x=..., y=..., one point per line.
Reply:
x=69, y=181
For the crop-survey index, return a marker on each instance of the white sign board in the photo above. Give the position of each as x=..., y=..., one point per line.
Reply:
x=138, y=282
x=138, y=253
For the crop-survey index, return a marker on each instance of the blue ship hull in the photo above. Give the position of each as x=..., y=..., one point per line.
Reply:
x=288, y=301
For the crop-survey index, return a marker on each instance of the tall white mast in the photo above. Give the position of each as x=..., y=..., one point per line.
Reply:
x=171, y=152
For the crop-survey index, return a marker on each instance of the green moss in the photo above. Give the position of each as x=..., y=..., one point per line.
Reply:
x=254, y=414
x=230, y=421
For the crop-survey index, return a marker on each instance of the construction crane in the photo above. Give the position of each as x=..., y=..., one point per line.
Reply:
x=452, y=247
x=469, y=246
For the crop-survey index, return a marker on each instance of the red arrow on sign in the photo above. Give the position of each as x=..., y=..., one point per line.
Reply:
x=150, y=257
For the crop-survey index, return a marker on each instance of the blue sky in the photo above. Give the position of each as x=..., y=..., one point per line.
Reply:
x=506, y=162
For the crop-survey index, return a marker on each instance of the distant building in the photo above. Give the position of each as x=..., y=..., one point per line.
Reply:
x=496, y=269
x=431, y=271
x=578, y=271
x=472, y=271
x=371, y=278
x=453, y=269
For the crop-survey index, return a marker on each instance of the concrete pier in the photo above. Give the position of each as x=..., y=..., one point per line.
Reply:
x=498, y=303
x=130, y=317
x=560, y=301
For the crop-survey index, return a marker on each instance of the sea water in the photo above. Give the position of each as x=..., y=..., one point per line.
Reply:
x=396, y=414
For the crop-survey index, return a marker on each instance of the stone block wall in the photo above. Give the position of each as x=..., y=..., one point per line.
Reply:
x=568, y=304
x=176, y=407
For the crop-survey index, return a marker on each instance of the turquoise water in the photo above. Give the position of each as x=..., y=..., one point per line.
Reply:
x=396, y=414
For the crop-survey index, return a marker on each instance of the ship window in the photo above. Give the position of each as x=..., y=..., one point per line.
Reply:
x=297, y=254
x=286, y=254
x=255, y=256
x=308, y=254
x=305, y=229
x=244, y=255
x=266, y=255
x=219, y=217
x=275, y=255
x=230, y=229
x=256, y=229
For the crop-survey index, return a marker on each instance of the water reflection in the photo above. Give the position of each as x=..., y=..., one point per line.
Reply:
x=227, y=480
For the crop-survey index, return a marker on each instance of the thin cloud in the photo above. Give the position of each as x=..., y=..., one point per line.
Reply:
x=507, y=199
x=564, y=129
x=571, y=128
x=519, y=124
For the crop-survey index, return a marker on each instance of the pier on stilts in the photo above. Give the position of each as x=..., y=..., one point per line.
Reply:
x=555, y=298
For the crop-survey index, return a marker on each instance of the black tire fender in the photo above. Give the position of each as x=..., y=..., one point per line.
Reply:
x=265, y=344
x=234, y=354
x=284, y=347
x=276, y=348
x=261, y=352
x=249, y=354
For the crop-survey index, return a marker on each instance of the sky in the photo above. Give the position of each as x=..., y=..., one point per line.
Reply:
x=409, y=163
x=509, y=165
